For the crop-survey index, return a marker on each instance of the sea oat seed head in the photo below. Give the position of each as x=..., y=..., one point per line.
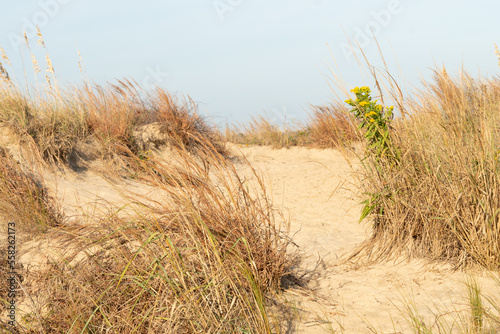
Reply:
x=497, y=52
x=36, y=67
x=50, y=68
x=4, y=56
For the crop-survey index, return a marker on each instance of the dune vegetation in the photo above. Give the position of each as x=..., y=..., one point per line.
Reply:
x=206, y=253
x=201, y=258
x=431, y=173
x=440, y=200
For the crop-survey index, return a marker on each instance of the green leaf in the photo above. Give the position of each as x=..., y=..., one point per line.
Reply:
x=367, y=209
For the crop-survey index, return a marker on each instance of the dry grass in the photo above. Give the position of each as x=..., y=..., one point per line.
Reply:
x=442, y=200
x=329, y=126
x=201, y=260
x=56, y=120
x=53, y=129
x=182, y=123
x=24, y=198
x=206, y=258
x=114, y=113
x=332, y=126
x=57, y=123
x=262, y=131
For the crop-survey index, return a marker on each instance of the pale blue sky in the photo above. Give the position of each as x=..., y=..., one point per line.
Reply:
x=245, y=57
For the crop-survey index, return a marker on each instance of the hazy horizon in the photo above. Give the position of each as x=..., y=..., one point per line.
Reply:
x=240, y=58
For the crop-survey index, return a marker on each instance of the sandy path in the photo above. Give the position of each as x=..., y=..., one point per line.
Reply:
x=317, y=190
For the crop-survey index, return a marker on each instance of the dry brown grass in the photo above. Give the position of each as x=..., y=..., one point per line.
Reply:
x=56, y=123
x=45, y=122
x=201, y=260
x=24, y=198
x=332, y=126
x=183, y=124
x=260, y=130
x=112, y=114
x=441, y=202
x=206, y=258
x=329, y=126
x=57, y=119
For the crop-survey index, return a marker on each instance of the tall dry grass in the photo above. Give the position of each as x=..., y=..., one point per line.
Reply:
x=328, y=126
x=442, y=200
x=56, y=123
x=56, y=119
x=45, y=122
x=25, y=198
x=261, y=130
x=332, y=126
x=115, y=112
x=203, y=259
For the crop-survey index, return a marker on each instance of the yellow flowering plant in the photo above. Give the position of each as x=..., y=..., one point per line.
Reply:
x=375, y=120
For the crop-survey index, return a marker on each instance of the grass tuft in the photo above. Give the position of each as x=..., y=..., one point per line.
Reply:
x=24, y=198
x=263, y=131
x=332, y=126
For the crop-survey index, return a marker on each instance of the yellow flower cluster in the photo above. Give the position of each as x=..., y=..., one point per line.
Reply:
x=372, y=110
x=368, y=115
x=364, y=89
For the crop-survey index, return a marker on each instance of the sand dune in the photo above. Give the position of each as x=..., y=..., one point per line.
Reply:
x=317, y=192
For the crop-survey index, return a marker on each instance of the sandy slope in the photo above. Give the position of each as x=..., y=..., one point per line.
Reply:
x=319, y=192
